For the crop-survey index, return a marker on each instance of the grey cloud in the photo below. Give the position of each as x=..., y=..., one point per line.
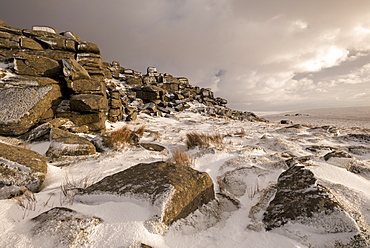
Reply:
x=254, y=53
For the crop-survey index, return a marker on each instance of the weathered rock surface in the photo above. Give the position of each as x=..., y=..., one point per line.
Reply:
x=64, y=227
x=88, y=103
x=33, y=65
x=300, y=201
x=66, y=146
x=22, y=108
x=174, y=191
x=20, y=170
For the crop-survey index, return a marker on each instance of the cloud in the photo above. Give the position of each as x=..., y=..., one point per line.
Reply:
x=260, y=55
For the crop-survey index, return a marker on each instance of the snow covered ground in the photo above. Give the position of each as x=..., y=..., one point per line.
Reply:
x=249, y=161
x=350, y=117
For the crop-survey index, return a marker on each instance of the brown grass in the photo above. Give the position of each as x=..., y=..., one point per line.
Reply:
x=125, y=136
x=203, y=140
x=27, y=201
x=182, y=158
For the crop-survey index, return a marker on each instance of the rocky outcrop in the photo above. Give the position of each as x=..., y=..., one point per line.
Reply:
x=20, y=170
x=174, y=191
x=74, y=69
x=159, y=94
x=44, y=67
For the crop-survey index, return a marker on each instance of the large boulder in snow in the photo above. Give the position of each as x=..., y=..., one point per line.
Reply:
x=20, y=170
x=175, y=191
x=66, y=147
x=23, y=107
x=63, y=227
x=300, y=203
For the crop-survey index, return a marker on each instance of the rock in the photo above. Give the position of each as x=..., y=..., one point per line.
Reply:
x=134, y=81
x=72, y=35
x=11, y=30
x=148, y=92
x=45, y=29
x=43, y=129
x=63, y=227
x=299, y=199
x=88, y=47
x=91, y=62
x=152, y=147
x=73, y=70
x=2, y=23
x=33, y=65
x=359, y=150
x=66, y=144
x=57, y=55
x=22, y=108
x=151, y=71
x=13, y=80
x=28, y=43
x=9, y=44
x=286, y=122
x=88, y=103
x=337, y=154
x=20, y=170
x=362, y=138
x=174, y=191
x=95, y=85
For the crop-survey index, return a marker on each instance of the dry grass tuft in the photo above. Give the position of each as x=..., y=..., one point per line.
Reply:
x=123, y=137
x=182, y=158
x=27, y=201
x=71, y=186
x=203, y=140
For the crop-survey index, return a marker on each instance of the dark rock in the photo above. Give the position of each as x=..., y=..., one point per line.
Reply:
x=134, y=81
x=299, y=197
x=43, y=129
x=91, y=62
x=337, y=154
x=64, y=143
x=9, y=44
x=63, y=227
x=95, y=85
x=73, y=70
x=71, y=35
x=362, y=138
x=20, y=170
x=11, y=30
x=88, y=103
x=28, y=43
x=33, y=65
x=286, y=122
x=174, y=190
x=88, y=47
x=152, y=147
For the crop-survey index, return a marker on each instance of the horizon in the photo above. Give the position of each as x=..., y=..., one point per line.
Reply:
x=259, y=56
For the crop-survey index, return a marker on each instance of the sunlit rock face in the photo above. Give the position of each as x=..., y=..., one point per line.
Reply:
x=174, y=190
x=40, y=67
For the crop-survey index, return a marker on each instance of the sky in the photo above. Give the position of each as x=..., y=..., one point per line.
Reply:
x=263, y=55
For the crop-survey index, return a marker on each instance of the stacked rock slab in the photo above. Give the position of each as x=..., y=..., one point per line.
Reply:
x=159, y=94
x=50, y=72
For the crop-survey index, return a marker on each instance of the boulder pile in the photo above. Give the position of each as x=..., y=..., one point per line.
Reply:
x=46, y=74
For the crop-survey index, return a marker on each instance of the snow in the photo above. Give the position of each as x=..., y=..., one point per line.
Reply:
x=248, y=164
